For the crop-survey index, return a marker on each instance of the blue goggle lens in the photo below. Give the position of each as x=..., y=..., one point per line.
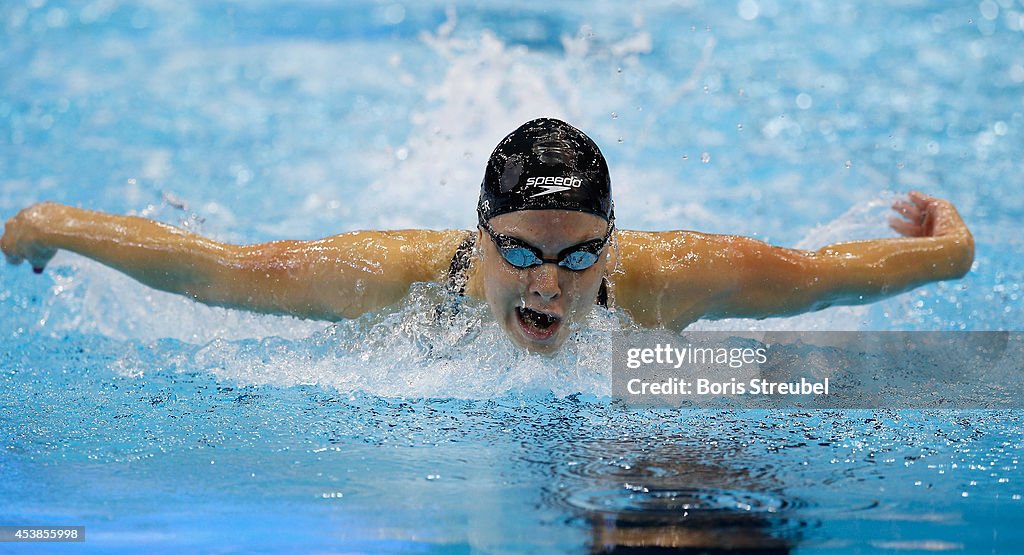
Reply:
x=520, y=257
x=579, y=260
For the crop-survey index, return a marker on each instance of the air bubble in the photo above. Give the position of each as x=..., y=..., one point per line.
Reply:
x=705, y=157
x=748, y=10
x=989, y=9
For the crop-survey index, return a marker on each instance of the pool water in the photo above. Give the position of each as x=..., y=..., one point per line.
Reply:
x=165, y=426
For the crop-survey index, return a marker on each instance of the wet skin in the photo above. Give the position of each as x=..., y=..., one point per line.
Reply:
x=562, y=296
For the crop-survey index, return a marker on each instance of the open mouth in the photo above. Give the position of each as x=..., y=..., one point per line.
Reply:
x=536, y=324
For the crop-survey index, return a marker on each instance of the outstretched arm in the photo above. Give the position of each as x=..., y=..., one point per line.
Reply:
x=721, y=276
x=337, y=277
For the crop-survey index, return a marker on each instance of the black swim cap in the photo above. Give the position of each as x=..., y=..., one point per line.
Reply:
x=546, y=164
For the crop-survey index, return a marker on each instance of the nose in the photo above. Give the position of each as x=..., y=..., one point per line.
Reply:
x=544, y=282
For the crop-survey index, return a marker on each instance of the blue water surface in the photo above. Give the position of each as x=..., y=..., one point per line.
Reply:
x=165, y=426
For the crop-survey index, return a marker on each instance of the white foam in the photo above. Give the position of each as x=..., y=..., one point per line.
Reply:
x=405, y=352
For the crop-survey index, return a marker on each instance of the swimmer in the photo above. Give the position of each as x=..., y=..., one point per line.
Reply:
x=546, y=251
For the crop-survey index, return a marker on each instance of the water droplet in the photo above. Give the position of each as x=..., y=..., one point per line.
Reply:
x=618, y=70
x=848, y=164
x=620, y=140
x=707, y=89
x=989, y=9
x=705, y=157
x=748, y=10
x=804, y=101
x=615, y=115
x=739, y=127
x=686, y=157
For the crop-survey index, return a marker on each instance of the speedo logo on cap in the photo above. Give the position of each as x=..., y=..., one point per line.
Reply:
x=550, y=185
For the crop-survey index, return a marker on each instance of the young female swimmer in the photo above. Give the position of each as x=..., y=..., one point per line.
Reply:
x=546, y=250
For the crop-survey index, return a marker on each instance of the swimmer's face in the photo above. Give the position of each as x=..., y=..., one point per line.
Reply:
x=539, y=307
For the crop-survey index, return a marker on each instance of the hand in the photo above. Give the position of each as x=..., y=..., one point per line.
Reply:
x=926, y=217
x=22, y=237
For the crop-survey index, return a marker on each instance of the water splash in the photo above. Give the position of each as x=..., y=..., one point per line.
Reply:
x=401, y=352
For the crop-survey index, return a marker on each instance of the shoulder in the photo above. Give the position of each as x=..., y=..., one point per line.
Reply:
x=648, y=253
x=671, y=278
x=407, y=254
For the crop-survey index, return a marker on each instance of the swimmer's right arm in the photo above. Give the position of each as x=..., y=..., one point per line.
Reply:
x=337, y=277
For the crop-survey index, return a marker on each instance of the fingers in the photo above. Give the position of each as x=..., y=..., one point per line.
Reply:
x=39, y=257
x=17, y=248
x=38, y=262
x=915, y=209
x=920, y=199
x=918, y=209
x=905, y=228
x=7, y=244
x=909, y=210
x=926, y=216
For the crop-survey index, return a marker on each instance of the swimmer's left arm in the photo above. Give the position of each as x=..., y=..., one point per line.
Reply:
x=720, y=276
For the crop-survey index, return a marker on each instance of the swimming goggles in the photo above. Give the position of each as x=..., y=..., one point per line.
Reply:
x=523, y=255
